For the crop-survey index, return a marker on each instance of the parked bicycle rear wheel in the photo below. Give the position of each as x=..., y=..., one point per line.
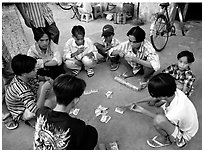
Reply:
x=65, y=6
x=159, y=33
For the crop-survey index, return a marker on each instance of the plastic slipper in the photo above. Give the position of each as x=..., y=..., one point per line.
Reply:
x=143, y=85
x=75, y=72
x=11, y=125
x=90, y=72
x=156, y=144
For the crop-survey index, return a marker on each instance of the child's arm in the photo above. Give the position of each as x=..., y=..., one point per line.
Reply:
x=45, y=87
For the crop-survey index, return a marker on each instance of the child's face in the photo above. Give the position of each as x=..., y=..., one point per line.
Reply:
x=183, y=63
x=32, y=74
x=43, y=42
x=79, y=39
x=108, y=39
x=133, y=43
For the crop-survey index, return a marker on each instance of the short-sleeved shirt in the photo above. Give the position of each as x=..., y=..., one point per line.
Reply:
x=72, y=47
x=114, y=42
x=57, y=130
x=185, y=77
x=182, y=113
x=51, y=52
x=146, y=52
x=38, y=13
x=20, y=96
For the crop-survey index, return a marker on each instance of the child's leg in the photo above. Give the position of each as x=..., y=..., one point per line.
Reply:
x=148, y=72
x=88, y=62
x=114, y=63
x=101, y=49
x=164, y=127
x=73, y=64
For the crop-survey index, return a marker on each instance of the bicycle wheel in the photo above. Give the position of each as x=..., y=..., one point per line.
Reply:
x=65, y=6
x=159, y=33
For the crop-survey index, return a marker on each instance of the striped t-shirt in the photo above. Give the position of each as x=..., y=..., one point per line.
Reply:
x=20, y=96
x=38, y=13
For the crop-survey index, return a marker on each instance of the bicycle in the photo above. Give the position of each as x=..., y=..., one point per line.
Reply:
x=163, y=27
x=70, y=6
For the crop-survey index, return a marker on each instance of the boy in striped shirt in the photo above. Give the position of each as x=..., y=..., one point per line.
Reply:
x=22, y=97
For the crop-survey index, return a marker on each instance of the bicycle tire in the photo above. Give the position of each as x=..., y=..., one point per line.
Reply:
x=159, y=32
x=65, y=6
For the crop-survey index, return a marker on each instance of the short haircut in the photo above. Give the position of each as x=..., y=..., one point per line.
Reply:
x=162, y=85
x=67, y=87
x=188, y=54
x=78, y=30
x=138, y=33
x=38, y=34
x=23, y=64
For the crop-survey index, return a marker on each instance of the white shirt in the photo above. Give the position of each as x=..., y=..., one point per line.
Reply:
x=146, y=52
x=52, y=52
x=72, y=47
x=182, y=113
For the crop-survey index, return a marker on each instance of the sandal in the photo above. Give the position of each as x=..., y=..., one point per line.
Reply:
x=155, y=143
x=90, y=72
x=11, y=125
x=143, y=85
x=75, y=72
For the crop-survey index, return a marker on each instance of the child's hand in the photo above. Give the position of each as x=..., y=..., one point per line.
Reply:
x=81, y=49
x=47, y=85
x=90, y=55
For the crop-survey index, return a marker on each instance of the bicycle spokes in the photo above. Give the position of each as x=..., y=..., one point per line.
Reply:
x=160, y=33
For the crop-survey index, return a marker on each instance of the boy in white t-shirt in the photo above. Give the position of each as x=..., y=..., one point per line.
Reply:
x=179, y=122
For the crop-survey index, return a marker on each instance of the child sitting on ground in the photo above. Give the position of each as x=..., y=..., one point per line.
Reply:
x=139, y=54
x=182, y=73
x=79, y=51
x=23, y=95
x=178, y=123
x=62, y=130
x=108, y=42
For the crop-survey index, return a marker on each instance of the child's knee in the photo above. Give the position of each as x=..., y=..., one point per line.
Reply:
x=87, y=61
x=27, y=115
x=159, y=119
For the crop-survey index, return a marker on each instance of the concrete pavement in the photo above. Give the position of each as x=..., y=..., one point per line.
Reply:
x=131, y=130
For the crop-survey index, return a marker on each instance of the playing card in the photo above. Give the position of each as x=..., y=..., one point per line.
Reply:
x=109, y=94
x=74, y=111
x=105, y=118
x=119, y=110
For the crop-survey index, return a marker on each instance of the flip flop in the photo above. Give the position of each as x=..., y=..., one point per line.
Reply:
x=90, y=72
x=143, y=85
x=155, y=143
x=11, y=125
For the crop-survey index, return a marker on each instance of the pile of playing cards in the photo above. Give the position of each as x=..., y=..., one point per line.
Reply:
x=74, y=111
x=90, y=92
x=102, y=111
x=114, y=146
